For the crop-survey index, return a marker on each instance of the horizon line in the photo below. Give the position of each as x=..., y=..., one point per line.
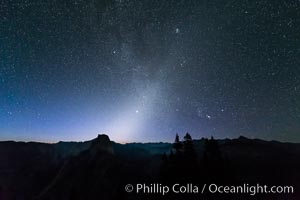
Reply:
x=143, y=142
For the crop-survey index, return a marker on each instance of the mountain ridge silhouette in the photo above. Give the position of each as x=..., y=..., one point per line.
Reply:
x=100, y=167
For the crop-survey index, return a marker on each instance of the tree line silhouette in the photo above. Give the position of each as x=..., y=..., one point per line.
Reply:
x=184, y=164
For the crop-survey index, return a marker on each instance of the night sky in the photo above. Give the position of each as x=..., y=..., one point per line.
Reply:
x=141, y=70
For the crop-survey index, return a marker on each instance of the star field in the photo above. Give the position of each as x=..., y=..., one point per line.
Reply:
x=144, y=70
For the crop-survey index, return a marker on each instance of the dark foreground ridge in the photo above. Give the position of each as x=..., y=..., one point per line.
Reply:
x=100, y=168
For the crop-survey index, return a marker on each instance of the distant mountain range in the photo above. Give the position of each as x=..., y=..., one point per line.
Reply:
x=100, y=168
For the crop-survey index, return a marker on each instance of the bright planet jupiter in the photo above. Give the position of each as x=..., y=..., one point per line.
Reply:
x=144, y=70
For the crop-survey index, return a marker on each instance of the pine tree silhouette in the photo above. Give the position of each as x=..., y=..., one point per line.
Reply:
x=177, y=145
x=212, y=151
x=181, y=166
x=212, y=160
x=188, y=147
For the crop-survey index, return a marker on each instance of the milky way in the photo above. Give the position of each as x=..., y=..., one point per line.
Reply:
x=144, y=70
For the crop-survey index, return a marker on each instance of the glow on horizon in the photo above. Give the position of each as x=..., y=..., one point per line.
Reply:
x=128, y=124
